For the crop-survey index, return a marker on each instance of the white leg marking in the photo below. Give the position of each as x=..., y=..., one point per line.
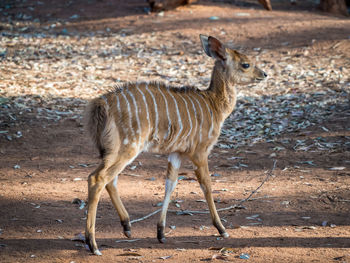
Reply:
x=175, y=160
x=175, y=140
x=167, y=110
x=137, y=115
x=115, y=181
x=201, y=123
x=156, y=121
x=169, y=188
x=211, y=116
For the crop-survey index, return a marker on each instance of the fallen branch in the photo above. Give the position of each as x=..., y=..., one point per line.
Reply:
x=262, y=183
x=130, y=174
x=146, y=216
x=190, y=212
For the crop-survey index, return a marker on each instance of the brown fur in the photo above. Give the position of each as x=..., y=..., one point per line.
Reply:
x=184, y=122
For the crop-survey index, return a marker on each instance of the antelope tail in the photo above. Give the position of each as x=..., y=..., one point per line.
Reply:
x=96, y=121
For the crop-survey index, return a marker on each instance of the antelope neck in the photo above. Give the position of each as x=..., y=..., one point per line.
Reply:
x=222, y=92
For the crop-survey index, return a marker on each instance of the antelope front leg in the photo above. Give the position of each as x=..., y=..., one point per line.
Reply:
x=202, y=173
x=117, y=202
x=170, y=184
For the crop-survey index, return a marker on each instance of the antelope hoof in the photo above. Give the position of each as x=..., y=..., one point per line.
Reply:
x=160, y=234
x=127, y=233
x=93, y=248
x=97, y=252
x=126, y=228
x=162, y=240
x=225, y=235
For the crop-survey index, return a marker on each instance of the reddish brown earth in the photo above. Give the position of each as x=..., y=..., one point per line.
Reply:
x=300, y=214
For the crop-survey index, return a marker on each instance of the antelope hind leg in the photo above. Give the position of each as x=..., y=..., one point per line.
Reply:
x=103, y=175
x=95, y=187
x=118, y=204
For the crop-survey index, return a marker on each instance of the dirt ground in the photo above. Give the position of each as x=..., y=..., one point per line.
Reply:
x=300, y=214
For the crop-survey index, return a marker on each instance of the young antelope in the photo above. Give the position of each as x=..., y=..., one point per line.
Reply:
x=184, y=122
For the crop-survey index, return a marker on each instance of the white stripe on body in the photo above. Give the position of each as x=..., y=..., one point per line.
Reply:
x=126, y=140
x=201, y=123
x=146, y=105
x=167, y=111
x=194, y=111
x=129, y=111
x=156, y=120
x=189, y=116
x=137, y=116
x=211, y=117
x=179, y=120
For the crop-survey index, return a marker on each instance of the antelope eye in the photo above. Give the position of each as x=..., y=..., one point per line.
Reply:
x=245, y=65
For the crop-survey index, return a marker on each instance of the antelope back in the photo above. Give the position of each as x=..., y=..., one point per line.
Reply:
x=154, y=117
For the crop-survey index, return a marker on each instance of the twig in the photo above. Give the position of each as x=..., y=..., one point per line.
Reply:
x=130, y=174
x=256, y=198
x=262, y=183
x=206, y=211
x=146, y=216
x=127, y=240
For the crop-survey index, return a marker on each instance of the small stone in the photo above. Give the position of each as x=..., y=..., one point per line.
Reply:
x=74, y=16
x=244, y=256
x=214, y=18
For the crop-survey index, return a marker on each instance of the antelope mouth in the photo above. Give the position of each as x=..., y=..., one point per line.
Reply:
x=262, y=77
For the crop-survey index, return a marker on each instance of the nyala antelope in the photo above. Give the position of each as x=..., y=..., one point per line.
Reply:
x=184, y=122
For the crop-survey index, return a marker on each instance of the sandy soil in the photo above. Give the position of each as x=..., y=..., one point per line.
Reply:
x=301, y=214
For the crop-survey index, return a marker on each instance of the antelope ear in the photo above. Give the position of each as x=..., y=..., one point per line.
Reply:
x=213, y=47
x=205, y=44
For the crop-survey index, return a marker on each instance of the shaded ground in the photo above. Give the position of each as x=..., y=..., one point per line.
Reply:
x=301, y=214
